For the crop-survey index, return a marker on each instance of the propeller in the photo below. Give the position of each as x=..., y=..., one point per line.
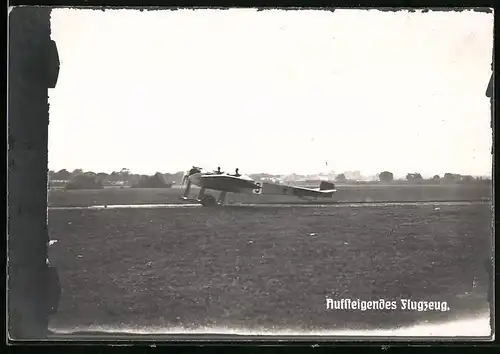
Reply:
x=184, y=178
x=193, y=169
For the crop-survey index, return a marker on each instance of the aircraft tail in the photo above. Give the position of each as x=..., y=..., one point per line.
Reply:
x=326, y=186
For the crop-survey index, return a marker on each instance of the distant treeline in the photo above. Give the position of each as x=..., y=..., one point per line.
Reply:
x=415, y=177
x=388, y=177
x=80, y=179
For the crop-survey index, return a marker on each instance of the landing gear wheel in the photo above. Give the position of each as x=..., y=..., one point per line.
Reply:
x=208, y=200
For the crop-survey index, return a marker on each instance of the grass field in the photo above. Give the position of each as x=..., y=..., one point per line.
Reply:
x=363, y=193
x=266, y=267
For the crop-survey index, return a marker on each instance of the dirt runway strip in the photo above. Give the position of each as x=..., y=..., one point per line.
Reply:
x=276, y=205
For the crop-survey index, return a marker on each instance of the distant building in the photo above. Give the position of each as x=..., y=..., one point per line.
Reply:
x=292, y=178
x=353, y=175
x=315, y=178
x=329, y=176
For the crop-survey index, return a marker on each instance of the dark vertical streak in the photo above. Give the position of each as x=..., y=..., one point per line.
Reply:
x=31, y=52
x=490, y=266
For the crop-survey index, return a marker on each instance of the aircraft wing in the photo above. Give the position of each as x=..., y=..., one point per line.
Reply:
x=224, y=181
x=326, y=189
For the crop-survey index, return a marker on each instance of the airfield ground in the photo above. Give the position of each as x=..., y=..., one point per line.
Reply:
x=262, y=267
x=361, y=193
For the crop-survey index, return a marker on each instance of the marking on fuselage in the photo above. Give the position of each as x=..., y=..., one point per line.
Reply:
x=258, y=190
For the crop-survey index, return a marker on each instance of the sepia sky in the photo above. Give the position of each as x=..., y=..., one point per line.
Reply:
x=272, y=91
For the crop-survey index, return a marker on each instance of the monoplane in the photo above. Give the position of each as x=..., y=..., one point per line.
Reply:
x=237, y=183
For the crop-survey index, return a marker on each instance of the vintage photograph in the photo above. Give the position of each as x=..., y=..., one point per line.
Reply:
x=272, y=172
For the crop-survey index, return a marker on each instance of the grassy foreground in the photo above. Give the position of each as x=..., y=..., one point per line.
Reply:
x=363, y=193
x=267, y=268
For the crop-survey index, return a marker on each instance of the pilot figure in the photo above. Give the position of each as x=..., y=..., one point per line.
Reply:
x=193, y=170
x=218, y=171
x=237, y=174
